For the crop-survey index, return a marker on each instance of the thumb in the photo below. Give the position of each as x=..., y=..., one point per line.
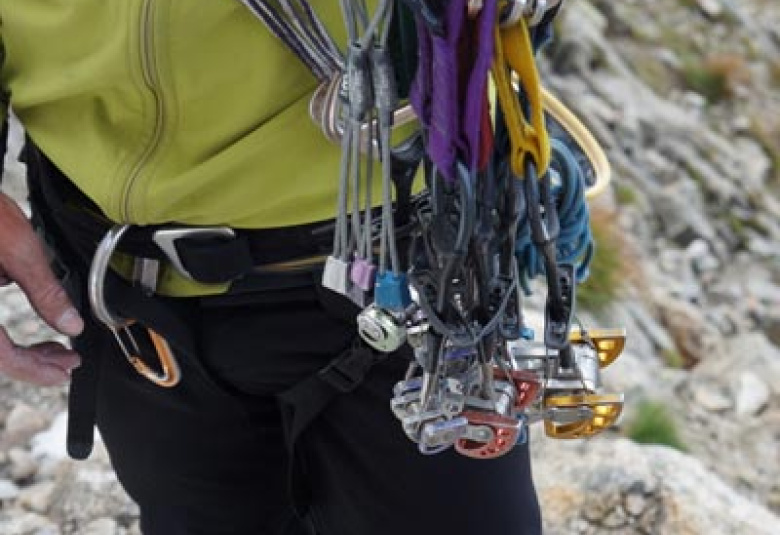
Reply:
x=29, y=267
x=52, y=304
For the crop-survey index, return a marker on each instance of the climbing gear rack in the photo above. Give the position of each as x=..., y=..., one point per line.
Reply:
x=505, y=202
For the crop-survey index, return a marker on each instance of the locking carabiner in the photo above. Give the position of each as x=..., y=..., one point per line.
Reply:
x=170, y=372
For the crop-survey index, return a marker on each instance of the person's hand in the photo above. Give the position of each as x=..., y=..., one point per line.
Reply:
x=23, y=260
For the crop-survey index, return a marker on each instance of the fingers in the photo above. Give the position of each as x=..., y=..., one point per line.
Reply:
x=44, y=364
x=24, y=261
x=52, y=304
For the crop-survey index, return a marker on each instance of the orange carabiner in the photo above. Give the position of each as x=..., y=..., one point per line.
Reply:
x=169, y=374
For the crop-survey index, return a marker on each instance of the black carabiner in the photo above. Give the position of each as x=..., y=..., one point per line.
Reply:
x=561, y=285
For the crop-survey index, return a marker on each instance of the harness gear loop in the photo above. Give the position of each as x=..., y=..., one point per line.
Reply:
x=514, y=55
x=170, y=372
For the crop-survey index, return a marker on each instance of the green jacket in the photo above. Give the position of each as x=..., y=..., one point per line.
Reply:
x=184, y=111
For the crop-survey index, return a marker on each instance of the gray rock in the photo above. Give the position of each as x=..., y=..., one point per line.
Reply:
x=727, y=319
x=101, y=526
x=772, y=328
x=695, y=339
x=49, y=444
x=583, y=40
x=752, y=394
x=23, y=464
x=681, y=214
x=8, y=490
x=701, y=258
x=38, y=497
x=648, y=326
x=754, y=164
x=26, y=523
x=635, y=502
x=22, y=423
x=711, y=8
x=711, y=397
x=760, y=245
x=750, y=351
x=640, y=489
x=88, y=490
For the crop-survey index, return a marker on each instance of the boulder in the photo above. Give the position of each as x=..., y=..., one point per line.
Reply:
x=616, y=486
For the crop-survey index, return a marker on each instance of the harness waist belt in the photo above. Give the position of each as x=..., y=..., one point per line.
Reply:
x=215, y=255
x=206, y=255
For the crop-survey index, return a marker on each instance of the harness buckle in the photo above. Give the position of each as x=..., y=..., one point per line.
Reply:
x=170, y=372
x=166, y=239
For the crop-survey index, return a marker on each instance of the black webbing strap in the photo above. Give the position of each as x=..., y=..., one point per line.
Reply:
x=216, y=260
x=72, y=274
x=73, y=254
x=304, y=402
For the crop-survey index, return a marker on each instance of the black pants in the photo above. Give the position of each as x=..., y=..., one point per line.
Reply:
x=208, y=457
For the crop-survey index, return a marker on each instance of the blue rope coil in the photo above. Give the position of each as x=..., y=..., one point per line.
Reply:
x=575, y=243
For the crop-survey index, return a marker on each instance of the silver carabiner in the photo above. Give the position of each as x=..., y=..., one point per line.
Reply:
x=170, y=372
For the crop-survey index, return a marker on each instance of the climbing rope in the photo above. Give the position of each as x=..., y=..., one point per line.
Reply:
x=575, y=242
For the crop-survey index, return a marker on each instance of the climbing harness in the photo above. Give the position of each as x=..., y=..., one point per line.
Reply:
x=507, y=171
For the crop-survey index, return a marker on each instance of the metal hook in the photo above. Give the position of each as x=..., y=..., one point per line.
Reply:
x=170, y=373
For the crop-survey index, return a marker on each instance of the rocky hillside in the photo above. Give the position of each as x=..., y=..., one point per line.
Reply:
x=685, y=97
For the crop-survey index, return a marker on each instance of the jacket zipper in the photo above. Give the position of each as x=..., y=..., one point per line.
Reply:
x=152, y=82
